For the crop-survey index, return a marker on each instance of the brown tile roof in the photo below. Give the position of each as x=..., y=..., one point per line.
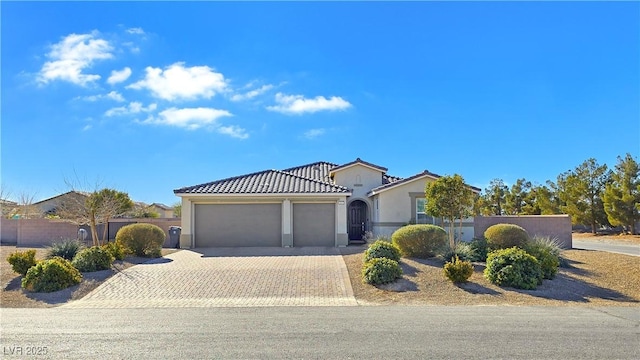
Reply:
x=266, y=182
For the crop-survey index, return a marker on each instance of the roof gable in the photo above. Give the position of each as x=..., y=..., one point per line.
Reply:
x=400, y=182
x=359, y=161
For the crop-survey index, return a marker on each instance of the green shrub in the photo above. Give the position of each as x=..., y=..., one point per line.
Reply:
x=382, y=249
x=420, y=241
x=457, y=270
x=117, y=251
x=502, y=236
x=66, y=249
x=513, y=267
x=381, y=271
x=92, y=259
x=547, y=252
x=51, y=275
x=142, y=239
x=480, y=249
x=21, y=261
x=462, y=250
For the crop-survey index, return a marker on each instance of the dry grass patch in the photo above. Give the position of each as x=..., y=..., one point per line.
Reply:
x=592, y=278
x=13, y=296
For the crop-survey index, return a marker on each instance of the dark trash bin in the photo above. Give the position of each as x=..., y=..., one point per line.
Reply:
x=174, y=236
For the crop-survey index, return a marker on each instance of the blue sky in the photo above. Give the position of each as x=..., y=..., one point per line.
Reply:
x=147, y=97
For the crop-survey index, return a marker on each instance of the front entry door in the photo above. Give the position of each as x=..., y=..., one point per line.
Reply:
x=357, y=219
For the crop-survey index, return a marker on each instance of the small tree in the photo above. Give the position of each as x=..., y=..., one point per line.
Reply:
x=622, y=195
x=494, y=198
x=177, y=209
x=106, y=204
x=450, y=198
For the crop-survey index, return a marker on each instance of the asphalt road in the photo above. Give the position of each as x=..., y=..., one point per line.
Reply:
x=398, y=332
x=627, y=249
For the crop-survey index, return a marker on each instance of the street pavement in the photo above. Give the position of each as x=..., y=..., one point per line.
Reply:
x=372, y=332
x=608, y=246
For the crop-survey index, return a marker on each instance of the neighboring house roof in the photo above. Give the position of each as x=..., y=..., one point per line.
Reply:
x=266, y=182
x=5, y=202
x=399, y=182
x=162, y=206
x=82, y=193
x=359, y=161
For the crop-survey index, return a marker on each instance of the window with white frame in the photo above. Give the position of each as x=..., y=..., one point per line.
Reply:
x=421, y=215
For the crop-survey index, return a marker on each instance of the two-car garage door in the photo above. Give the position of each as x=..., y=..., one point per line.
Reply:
x=218, y=225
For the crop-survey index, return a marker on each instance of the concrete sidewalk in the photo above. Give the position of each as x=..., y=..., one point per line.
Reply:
x=229, y=277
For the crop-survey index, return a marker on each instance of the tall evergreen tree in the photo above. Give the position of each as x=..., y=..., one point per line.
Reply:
x=622, y=195
x=581, y=191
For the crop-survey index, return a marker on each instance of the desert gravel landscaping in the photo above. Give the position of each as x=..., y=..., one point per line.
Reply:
x=591, y=278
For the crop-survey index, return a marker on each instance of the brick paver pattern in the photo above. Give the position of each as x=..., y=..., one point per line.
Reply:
x=229, y=278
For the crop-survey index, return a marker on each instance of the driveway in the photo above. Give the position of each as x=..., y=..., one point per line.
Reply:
x=229, y=277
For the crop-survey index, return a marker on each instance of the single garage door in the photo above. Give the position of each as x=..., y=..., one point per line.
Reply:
x=238, y=225
x=314, y=224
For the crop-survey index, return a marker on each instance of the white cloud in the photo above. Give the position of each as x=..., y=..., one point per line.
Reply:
x=179, y=82
x=72, y=55
x=298, y=104
x=118, y=76
x=136, y=30
x=251, y=94
x=113, y=95
x=233, y=131
x=313, y=133
x=134, y=107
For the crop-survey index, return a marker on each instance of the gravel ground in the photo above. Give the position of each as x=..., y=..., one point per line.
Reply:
x=591, y=278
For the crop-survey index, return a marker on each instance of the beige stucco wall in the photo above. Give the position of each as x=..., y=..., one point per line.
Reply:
x=396, y=206
x=360, y=179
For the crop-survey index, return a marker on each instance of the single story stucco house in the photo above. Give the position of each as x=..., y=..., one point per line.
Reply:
x=318, y=204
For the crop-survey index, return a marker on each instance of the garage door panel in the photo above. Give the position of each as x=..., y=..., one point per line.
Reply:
x=314, y=225
x=238, y=225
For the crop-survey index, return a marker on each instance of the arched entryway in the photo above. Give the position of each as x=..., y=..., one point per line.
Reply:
x=357, y=219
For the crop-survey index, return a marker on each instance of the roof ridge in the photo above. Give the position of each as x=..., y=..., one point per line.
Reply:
x=310, y=179
x=310, y=164
x=222, y=180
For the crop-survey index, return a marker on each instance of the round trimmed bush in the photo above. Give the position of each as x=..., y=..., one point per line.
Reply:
x=381, y=271
x=142, y=239
x=420, y=241
x=382, y=249
x=502, y=236
x=92, y=259
x=22, y=261
x=51, y=275
x=513, y=267
x=458, y=271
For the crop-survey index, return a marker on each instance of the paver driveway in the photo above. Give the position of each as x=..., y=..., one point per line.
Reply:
x=223, y=277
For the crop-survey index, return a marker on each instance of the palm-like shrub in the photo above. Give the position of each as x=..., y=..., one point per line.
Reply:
x=480, y=249
x=547, y=252
x=502, y=236
x=382, y=249
x=513, y=267
x=462, y=250
x=420, y=241
x=142, y=239
x=66, y=249
x=381, y=271
x=51, y=275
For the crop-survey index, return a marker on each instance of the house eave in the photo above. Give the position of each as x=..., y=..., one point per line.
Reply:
x=273, y=195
